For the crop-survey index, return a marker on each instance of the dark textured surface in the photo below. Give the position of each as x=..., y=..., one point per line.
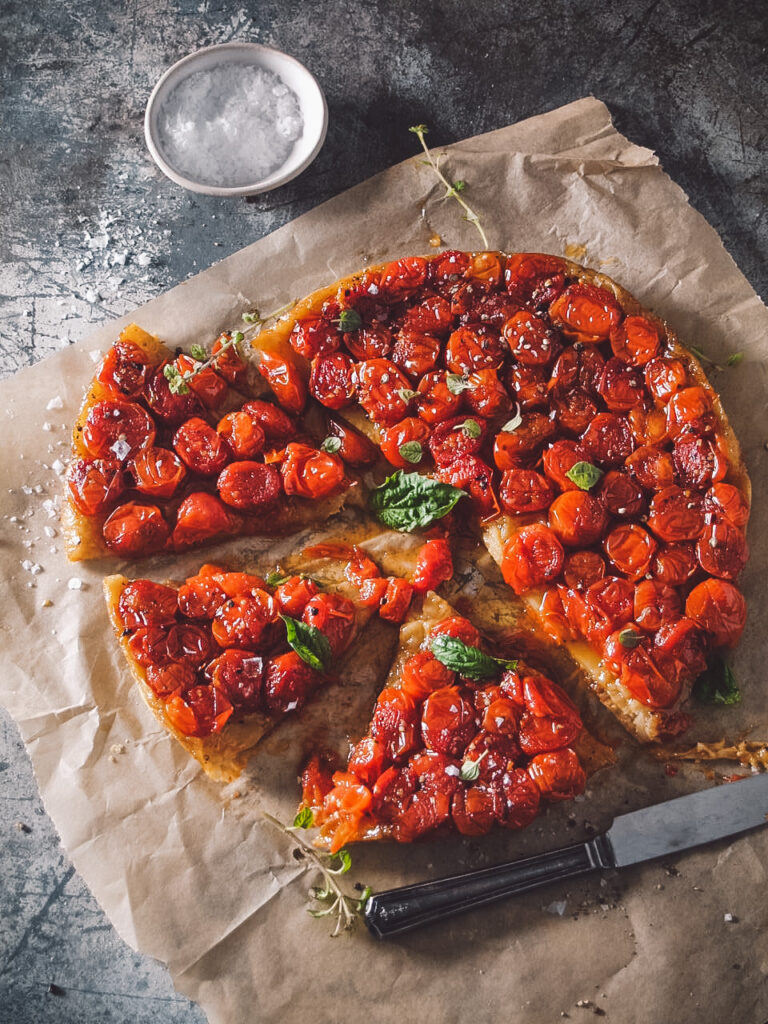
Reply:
x=90, y=229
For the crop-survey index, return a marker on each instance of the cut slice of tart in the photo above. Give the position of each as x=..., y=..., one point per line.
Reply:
x=458, y=740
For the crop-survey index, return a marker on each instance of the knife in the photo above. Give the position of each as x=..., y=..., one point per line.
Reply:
x=652, y=832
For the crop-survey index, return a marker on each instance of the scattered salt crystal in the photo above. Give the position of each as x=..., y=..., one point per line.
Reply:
x=558, y=907
x=49, y=531
x=230, y=125
x=95, y=355
x=143, y=259
x=76, y=584
x=91, y=296
x=50, y=506
x=729, y=918
x=121, y=448
x=55, y=403
x=47, y=426
x=26, y=489
x=38, y=488
x=32, y=567
x=14, y=519
x=58, y=467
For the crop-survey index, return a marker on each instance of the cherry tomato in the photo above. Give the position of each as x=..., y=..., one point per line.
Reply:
x=527, y=385
x=676, y=514
x=429, y=806
x=522, y=796
x=334, y=616
x=209, y=387
x=558, y=774
x=288, y=682
x=532, y=557
x=125, y=369
x=403, y=278
x=372, y=592
x=314, y=335
x=229, y=364
x=203, y=710
x=200, y=597
x=447, y=721
x=170, y=679
x=285, y=380
x=689, y=412
x=381, y=387
x=719, y=609
x=171, y=408
x=415, y=353
x=458, y=627
x=276, y=424
x=316, y=778
x=573, y=410
x=294, y=595
x=396, y=600
x=471, y=474
x=608, y=439
x=636, y=340
x=586, y=313
x=621, y=387
x=360, y=566
x=550, y=720
x=242, y=433
x=534, y=279
x=157, y=472
x=243, y=621
x=473, y=809
x=558, y=460
x=639, y=675
x=478, y=347
x=249, y=486
x=309, y=473
x=115, y=430
x=620, y=495
x=552, y=617
x=431, y=316
x=239, y=584
x=524, y=490
x=652, y=467
x=395, y=722
x=95, y=484
x=526, y=440
x=665, y=377
x=434, y=565
x=485, y=268
x=448, y=267
x=679, y=650
x=189, y=644
x=200, y=518
x=674, y=564
x=238, y=674
x=393, y=791
x=148, y=646
x=611, y=600
x=459, y=436
x=630, y=548
x=331, y=380
x=144, y=603
x=356, y=449
x=373, y=342
x=577, y=368
x=722, y=550
x=655, y=604
x=648, y=426
x=583, y=568
x=422, y=673
x=486, y=395
x=411, y=431
x=577, y=518
x=530, y=340
x=135, y=529
x=724, y=501
x=700, y=461
x=435, y=402
x=200, y=447
x=367, y=760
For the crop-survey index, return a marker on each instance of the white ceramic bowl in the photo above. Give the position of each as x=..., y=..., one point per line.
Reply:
x=314, y=112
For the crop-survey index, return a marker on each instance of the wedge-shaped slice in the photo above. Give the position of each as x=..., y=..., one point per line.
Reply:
x=458, y=740
x=223, y=657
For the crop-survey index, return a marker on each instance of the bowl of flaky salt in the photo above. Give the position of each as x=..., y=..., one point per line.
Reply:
x=235, y=120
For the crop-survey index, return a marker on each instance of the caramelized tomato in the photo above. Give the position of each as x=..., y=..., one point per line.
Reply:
x=334, y=616
x=722, y=550
x=135, y=529
x=95, y=484
x=157, y=472
x=532, y=557
x=200, y=518
x=242, y=433
x=534, y=279
x=415, y=353
x=608, y=439
x=115, y=430
x=676, y=514
x=125, y=369
x=463, y=435
x=530, y=340
x=356, y=449
x=249, y=486
x=434, y=565
x=288, y=683
x=524, y=490
x=411, y=431
x=471, y=474
x=200, y=448
x=144, y=603
x=383, y=390
x=203, y=710
x=635, y=341
x=331, y=381
x=586, y=313
x=724, y=501
x=558, y=774
x=314, y=336
x=285, y=380
x=665, y=377
x=526, y=440
x=435, y=402
x=718, y=608
x=309, y=473
x=577, y=518
x=630, y=548
x=238, y=674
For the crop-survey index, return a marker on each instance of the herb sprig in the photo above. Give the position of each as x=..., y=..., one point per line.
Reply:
x=452, y=190
x=733, y=359
x=345, y=906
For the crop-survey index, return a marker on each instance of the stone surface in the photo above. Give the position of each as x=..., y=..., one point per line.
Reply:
x=89, y=229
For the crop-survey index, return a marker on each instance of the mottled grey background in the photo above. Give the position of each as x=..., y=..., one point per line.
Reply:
x=90, y=230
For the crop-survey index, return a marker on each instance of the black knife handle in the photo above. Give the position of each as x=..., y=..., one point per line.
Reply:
x=399, y=910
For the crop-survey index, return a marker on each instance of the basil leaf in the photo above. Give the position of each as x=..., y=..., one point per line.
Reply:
x=511, y=425
x=460, y=657
x=304, y=819
x=630, y=638
x=198, y=352
x=410, y=501
x=456, y=383
x=584, y=475
x=349, y=320
x=717, y=685
x=331, y=445
x=309, y=643
x=411, y=451
x=471, y=428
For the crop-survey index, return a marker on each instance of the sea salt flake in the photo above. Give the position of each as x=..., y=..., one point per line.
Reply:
x=58, y=467
x=121, y=448
x=47, y=426
x=49, y=531
x=28, y=566
x=55, y=403
x=76, y=584
x=557, y=908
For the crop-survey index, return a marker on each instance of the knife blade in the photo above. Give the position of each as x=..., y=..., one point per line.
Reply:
x=656, y=831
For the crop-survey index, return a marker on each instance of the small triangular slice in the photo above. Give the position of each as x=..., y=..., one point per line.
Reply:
x=458, y=740
x=212, y=656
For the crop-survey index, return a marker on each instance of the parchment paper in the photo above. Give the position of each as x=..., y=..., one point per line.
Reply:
x=187, y=871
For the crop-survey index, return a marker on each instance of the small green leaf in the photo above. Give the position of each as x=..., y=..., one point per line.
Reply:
x=584, y=475
x=364, y=897
x=419, y=129
x=630, y=638
x=735, y=358
x=717, y=685
x=275, y=578
x=459, y=186
x=237, y=336
x=176, y=383
x=456, y=383
x=304, y=819
x=470, y=770
x=471, y=428
x=331, y=445
x=349, y=320
x=346, y=860
x=406, y=394
x=198, y=352
x=410, y=501
x=411, y=451
x=254, y=317
x=459, y=657
x=309, y=643
x=511, y=425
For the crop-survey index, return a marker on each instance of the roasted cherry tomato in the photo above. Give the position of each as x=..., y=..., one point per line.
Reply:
x=689, y=412
x=434, y=565
x=288, y=682
x=471, y=474
x=249, y=486
x=415, y=353
x=583, y=568
x=611, y=600
x=313, y=336
x=276, y=424
x=157, y=472
x=458, y=627
x=621, y=386
x=95, y=484
x=722, y=550
x=527, y=385
x=294, y=595
x=679, y=650
x=355, y=448
x=285, y=380
x=652, y=467
x=200, y=597
x=135, y=529
x=630, y=548
x=209, y=387
x=620, y=495
x=473, y=809
x=486, y=395
x=664, y=377
x=203, y=710
x=577, y=518
x=403, y=278
x=586, y=313
x=396, y=599
x=244, y=621
x=674, y=564
x=432, y=316
x=724, y=501
x=115, y=430
x=530, y=340
x=558, y=774
x=373, y=342
x=229, y=363
x=396, y=722
x=125, y=369
x=532, y=557
x=676, y=514
x=534, y=279
x=524, y=490
x=463, y=435
x=242, y=433
x=413, y=433
x=608, y=439
x=522, y=442
x=700, y=461
x=573, y=410
x=188, y=644
x=639, y=674
x=577, y=368
x=201, y=517
x=648, y=426
x=238, y=674
x=477, y=347
x=309, y=473
x=144, y=603
x=435, y=402
x=171, y=408
x=367, y=760
x=558, y=460
x=331, y=381
x=636, y=340
x=384, y=392
x=655, y=604
x=719, y=609
x=334, y=616
x=422, y=673
x=448, y=721
x=199, y=446
x=172, y=679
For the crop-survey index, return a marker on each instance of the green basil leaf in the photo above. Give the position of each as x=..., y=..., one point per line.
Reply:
x=309, y=643
x=411, y=451
x=304, y=819
x=331, y=445
x=460, y=657
x=511, y=425
x=349, y=320
x=198, y=352
x=630, y=638
x=584, y=475
x=410, y=501
x=456, y=383
x=471, y=428
x=717, y=685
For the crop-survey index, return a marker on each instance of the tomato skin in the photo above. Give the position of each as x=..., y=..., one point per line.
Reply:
x=558, y=460
x=577, y=518
x=125, y=369
x=229, y=364
x=135, y=529
x=209, y=387
x=652, y=467
x=655, y=604
x=724, y=501
x=718, y=608
x=473, y=348
x=471, y=474
x=396, y=600
x=573, y=410
x=700, y=461
x=200, y=597
x=473, y=810
x=679, y=650
x=157, y=472
x=620, y=495
x=523, y=442
x=521, y=798
x=665, y=377
x=447, y=721
x=372, y=342
x=621, y=387
x=285, y=380
x=294, y=595
x=450, y=439
x=422, y=673
x=582, y=569
x=674, y=564
x=552, y=617
x=648, y=426
x=200, y=518
x=458, y=627
x=238, y=674
x=288, y=682
x=432, y=316
x=367, y=760
x=524, y=490
x=95, y=485
x=608, y=439
x=486, y=395
x=534, y=279
x=558, y=774
x=379, y=385
x=640, y=675
x=636, y=340
x=586, y=313
x=275, y=423
x=577, y=368
x=242, y=433
x=611, y=600
x=314, y=335
x=405, y=432
x=689, y=411
x=331, y=380
x=528, y=386
x=402, y=278
x=630, y=548
x=722, y=550
x=169, y=679
x=188, y=644
x=148, y=646
x=144, y=603
x=395, y=722
x=170, y=408
x=115, y=429
x=249, y=486
x=532, y=557
x=676, y=515
x=550, y=720
x=200, y=448
x=203, y=710
x=356, y=449
x=334, y=616
x=244, y=621
x=530, y=341
x=415, y=353
x=434, y=565
x=435, y=402
x=392, y=791
x=309, y=473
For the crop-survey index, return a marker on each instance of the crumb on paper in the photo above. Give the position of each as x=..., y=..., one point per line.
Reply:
x=730, y=919
x=117, y=748
x=576, y=252
x=435, y=241
x=47, y=603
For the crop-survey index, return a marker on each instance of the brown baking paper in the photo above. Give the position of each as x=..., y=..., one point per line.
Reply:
x=188, y=871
